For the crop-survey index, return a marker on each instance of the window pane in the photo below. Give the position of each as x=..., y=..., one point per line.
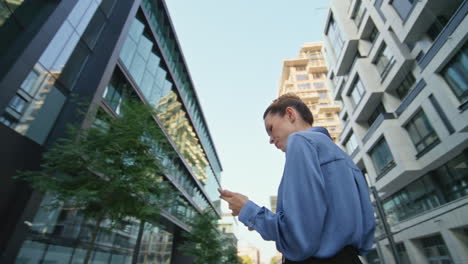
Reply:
x=381, y=156
x=29, y=85
x=128, y=51
x=144, y=46
x=62, y=59
x=456, y=74
x=357, y=92
x=78, y=12
x=17, y=103
x=335, y=38
x=406, y=85
x=319, y=85
x=384, y=59
x=86, y=18
x=153, y=63
x=31, y=252
x=56, y=45
x=302, y=77
x=92, y=33
x=421, y=132
x=137, y=68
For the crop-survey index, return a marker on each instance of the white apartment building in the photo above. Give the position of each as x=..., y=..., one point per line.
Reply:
x=400, y=69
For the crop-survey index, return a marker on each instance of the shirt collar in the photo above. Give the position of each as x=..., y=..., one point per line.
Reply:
x=320, y=130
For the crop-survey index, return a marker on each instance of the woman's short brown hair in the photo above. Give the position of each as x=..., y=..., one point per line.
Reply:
x=279, y=105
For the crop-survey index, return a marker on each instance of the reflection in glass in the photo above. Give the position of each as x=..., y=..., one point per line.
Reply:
x=62, y=235
x=33, y=115
x=143, y=63
x=156, y=245
x=31, y=252
x=33, y=110
x=456, y=72
x=17, y=104
x=170, y=49
x=447, y=183
x=421, y=132
x=7, y=8
x=381, y=156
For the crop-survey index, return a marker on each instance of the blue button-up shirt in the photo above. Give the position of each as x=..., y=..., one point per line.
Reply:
x=323, y=201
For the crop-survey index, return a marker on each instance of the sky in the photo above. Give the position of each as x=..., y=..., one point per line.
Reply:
x=234, y=51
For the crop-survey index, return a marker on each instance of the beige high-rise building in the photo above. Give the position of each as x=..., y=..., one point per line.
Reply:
x=306, y=77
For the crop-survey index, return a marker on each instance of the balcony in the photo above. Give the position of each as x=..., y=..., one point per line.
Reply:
x=317, y=66
x=328, y=108
x=455, y=20
x=347, y=57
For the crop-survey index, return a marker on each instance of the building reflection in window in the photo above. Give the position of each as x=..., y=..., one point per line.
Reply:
x=40, y=97
x=62, y=236
x=143, y=62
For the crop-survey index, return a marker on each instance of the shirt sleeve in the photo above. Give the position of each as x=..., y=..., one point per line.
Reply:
x=297, y=228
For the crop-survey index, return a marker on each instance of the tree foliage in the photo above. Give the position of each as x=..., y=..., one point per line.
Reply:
x=229, y=251
x=246, y=259
x=203, y=241
x=109, y=170
x=206, y=244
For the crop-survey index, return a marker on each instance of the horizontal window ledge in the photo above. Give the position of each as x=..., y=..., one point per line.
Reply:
x=386, y=169
x=427, y=149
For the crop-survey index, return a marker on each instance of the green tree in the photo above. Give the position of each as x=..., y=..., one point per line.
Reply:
x=246, y=259
x=108, y=171
x=229, y=251
x=203, y=241
x=275, y=260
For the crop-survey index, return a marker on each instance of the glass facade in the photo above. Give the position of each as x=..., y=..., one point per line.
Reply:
x=15, y=17
x=456, y=74
x=116, y=93
x=421, y=132
x=143, y=61
x=63, y=235
x=161, y=26
x=382, y=157
x=447, y=183
x=39, y=99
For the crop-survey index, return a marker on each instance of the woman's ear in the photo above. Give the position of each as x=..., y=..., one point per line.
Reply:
x=291, y=113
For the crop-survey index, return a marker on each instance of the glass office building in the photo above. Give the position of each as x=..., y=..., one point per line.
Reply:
x=54, y=54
